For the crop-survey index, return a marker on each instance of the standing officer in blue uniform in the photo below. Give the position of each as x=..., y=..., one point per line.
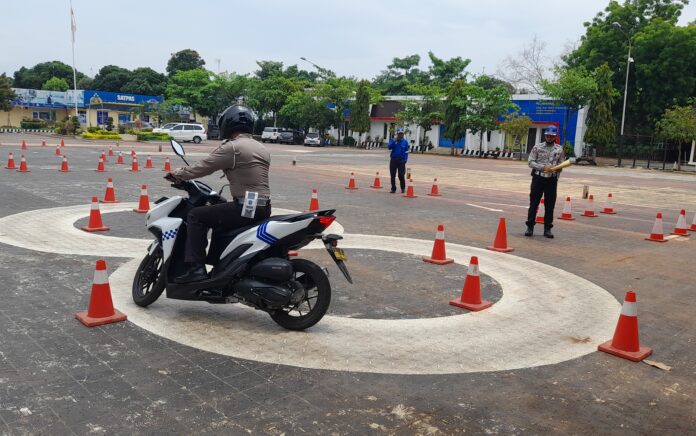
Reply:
x=399, y=156
x=544, y=180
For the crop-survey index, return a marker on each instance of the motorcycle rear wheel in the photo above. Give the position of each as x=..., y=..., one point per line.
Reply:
x=315, y=302
x=146, y=286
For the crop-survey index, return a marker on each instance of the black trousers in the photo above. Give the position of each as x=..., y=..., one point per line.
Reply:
x=545, y=186
x=400, y=166
x=225, y=216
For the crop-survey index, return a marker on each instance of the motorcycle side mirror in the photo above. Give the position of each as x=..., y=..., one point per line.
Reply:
x=178, y=148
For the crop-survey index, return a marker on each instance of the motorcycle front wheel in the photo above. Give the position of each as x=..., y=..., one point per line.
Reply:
x=315, y=302
x=146, y=286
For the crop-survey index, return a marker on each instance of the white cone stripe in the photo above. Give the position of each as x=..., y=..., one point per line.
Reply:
x=101, y=277
x=657, y=227
x=473, y=270
x=629, y=308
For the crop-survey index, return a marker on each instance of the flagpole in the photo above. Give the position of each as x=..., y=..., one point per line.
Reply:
x=72, y=31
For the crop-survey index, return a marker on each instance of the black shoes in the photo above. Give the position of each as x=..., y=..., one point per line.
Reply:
x=195, y=274
x=530, y=231
x=547, y=232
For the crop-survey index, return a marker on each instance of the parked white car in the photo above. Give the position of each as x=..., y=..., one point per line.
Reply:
x=188, y=132
x=164, y=128
x=270, y=134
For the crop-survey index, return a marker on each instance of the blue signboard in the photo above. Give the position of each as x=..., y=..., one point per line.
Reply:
x=96, y=98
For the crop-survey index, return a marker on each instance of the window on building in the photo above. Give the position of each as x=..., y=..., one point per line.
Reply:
x=102, y=116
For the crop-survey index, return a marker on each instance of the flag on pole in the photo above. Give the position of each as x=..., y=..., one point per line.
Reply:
x=73, y=25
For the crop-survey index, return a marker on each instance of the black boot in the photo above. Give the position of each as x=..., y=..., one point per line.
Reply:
x=530, y=231
x=547, y=232
x=195, y=273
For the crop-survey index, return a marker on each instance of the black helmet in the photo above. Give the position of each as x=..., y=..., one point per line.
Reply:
x=236, y=118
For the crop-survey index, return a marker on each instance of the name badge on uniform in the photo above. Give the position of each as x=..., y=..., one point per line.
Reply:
x=249, y=208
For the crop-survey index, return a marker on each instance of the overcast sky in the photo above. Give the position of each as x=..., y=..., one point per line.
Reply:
x=357, y=37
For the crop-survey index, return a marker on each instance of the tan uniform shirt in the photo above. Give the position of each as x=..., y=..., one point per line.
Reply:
x=245, y=162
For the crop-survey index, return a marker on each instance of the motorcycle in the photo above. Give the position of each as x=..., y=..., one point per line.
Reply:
x=251, y=265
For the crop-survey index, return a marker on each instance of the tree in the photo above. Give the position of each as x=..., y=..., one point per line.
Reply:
x=678, y=124
x=7, y=94
x=401, y=73
x=360, y=115
x=601, y=130
x=188, y=88
x=425, y=111
x=664, y=53
x=526, y=70
x=145, y=81
x=574, y=88
x=111, y=78
x=517, y=126
x=336, y=92
x=36, y=76
x=55, y=84
x=184, y=60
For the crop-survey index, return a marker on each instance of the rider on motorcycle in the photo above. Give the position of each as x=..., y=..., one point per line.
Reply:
x=246, y=163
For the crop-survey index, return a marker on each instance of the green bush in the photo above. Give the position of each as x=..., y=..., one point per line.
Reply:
x=104, y=135
x=32, y=124
x=349, y=141
x=149, y=136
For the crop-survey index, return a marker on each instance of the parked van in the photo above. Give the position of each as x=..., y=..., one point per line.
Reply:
x=270, y=134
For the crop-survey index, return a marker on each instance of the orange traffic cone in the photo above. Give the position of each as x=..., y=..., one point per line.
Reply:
x=609, y=207
x=500, y=243
x=567, y=211
x=541, y=211
x=693, y=224
x=100, y=166
x=23, y=168
x=119, y=161
x=24, y=144
x=62, y=143
x=351, y=182
x=43, y=142
x=95, y=221
x=111, y=151
x=377, y=183
x=409, y=190
x=438, y=257
x=471, y=294
x=681, y=229
x=167, y=165
x=589, y=208
x=658, y=234
x=58, y=150
x=110, y=194
x=64, y=165
x=101, y=307
x=134, y=165
x=148, y=162
x=10, y=162
x=434, y=191
x=314, y=202
x=144, y=204
x=625, y=342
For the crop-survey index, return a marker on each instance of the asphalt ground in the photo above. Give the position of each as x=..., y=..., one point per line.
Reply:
x=58, y=377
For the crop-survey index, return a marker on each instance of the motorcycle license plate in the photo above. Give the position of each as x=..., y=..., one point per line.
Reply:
x=339, y=253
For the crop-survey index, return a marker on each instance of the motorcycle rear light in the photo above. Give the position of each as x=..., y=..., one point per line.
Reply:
x=327, y=220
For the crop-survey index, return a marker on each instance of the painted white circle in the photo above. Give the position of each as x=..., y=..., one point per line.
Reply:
x=546, y=315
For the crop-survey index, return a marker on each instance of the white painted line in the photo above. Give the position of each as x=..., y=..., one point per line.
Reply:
x=484, y=207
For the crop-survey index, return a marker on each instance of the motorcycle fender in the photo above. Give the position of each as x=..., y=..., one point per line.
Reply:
x=168, y=227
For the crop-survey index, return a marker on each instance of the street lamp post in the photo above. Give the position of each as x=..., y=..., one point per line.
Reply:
x=623, y=112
